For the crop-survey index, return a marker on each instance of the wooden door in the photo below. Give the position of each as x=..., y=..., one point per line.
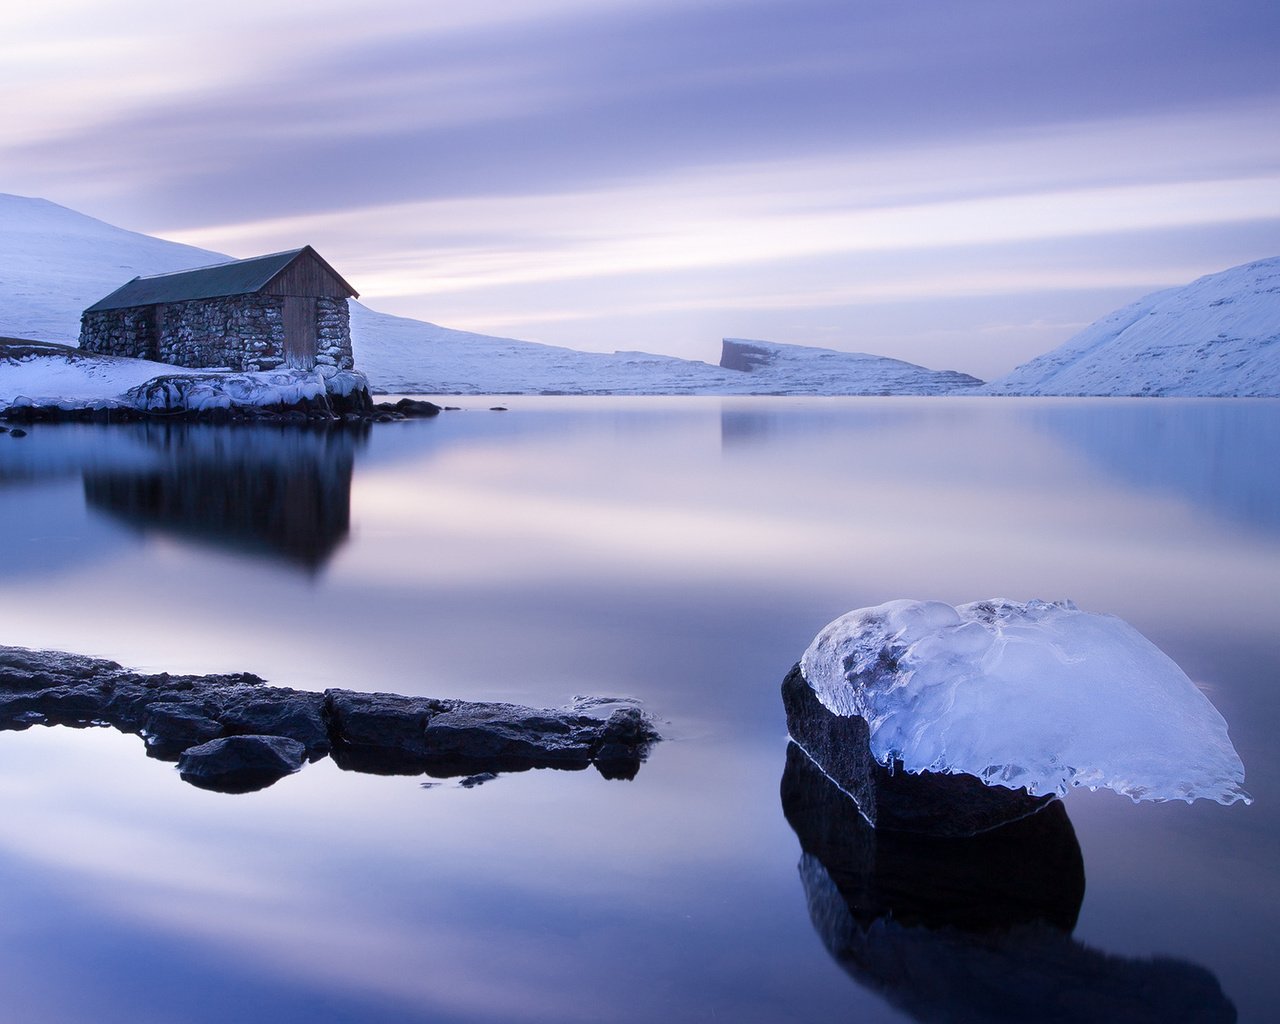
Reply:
x=300, y=331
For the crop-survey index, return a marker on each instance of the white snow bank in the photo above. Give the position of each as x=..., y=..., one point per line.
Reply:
x=1037, y=695
x=58, y=375
x=201, y=392
x=55, y=375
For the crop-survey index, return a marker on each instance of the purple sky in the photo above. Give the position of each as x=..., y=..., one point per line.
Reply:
x=961, y=184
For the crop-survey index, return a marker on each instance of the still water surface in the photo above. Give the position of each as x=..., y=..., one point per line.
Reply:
x=680, y=551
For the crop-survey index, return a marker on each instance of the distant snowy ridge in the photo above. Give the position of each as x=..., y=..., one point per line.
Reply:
x=400, y=355
x=54, y=262
x=1218, y=336
x=801, y=369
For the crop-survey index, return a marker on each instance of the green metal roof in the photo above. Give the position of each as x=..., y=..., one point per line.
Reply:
x=237, y=277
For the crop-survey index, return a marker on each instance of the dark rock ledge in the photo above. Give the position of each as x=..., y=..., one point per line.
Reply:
x=327, y=410
x=235, y=733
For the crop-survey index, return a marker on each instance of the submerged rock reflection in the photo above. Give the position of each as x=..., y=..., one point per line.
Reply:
x=974, y=929
x=280, y=491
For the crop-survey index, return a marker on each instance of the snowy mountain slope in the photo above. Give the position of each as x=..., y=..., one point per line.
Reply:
x=1218, y=336
x=54, y=262
x=402, y=355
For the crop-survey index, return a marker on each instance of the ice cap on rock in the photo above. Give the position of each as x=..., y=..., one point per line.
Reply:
x=1038, y=695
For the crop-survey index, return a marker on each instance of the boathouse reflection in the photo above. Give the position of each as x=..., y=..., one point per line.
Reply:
x=278, y=491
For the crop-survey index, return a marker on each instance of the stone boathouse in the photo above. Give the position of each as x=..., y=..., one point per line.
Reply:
x=285, y=309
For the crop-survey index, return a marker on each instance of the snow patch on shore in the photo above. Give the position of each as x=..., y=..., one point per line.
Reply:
x=36, y=374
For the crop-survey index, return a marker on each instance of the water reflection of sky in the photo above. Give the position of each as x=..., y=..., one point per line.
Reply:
x=681, y=551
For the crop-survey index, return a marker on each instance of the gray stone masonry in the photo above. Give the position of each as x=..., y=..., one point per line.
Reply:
x=120, y=332
x=333, y=333
x=240, y=332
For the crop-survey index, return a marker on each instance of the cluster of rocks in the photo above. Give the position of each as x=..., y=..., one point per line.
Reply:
x=235, y=733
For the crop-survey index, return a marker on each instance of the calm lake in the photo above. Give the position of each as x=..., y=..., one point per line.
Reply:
x=679, y=551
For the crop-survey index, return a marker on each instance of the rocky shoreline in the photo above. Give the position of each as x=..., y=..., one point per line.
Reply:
x=327, y=410
x=111, y=389
x=312, y=411
x=236, y=733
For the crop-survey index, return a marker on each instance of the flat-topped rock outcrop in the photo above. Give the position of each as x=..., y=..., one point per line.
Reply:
x=185, y=718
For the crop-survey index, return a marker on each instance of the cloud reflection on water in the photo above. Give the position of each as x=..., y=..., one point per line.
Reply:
x=629, y=547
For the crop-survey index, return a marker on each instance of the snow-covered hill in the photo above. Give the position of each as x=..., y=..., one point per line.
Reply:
x=400, y=355
x=54, y=262
x=1219, y=335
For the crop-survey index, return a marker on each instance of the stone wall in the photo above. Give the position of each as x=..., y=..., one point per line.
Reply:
x=120, y=332
x=333, y=333
x=239, y=332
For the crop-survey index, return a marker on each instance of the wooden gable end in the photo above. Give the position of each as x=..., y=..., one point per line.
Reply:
x=307, y=274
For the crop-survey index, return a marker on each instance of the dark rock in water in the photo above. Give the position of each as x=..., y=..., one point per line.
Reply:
x=929, y=802
x=381, y=733
x=1027, y=871
x=17, y=432
x=504, y=734
x=169, y=729
x=974, y=929
x=497, y=408
x=277, y=711
x=416, y=407
x=241, y=764
x=391, y=734
x=626, y=735
x=405, y=409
